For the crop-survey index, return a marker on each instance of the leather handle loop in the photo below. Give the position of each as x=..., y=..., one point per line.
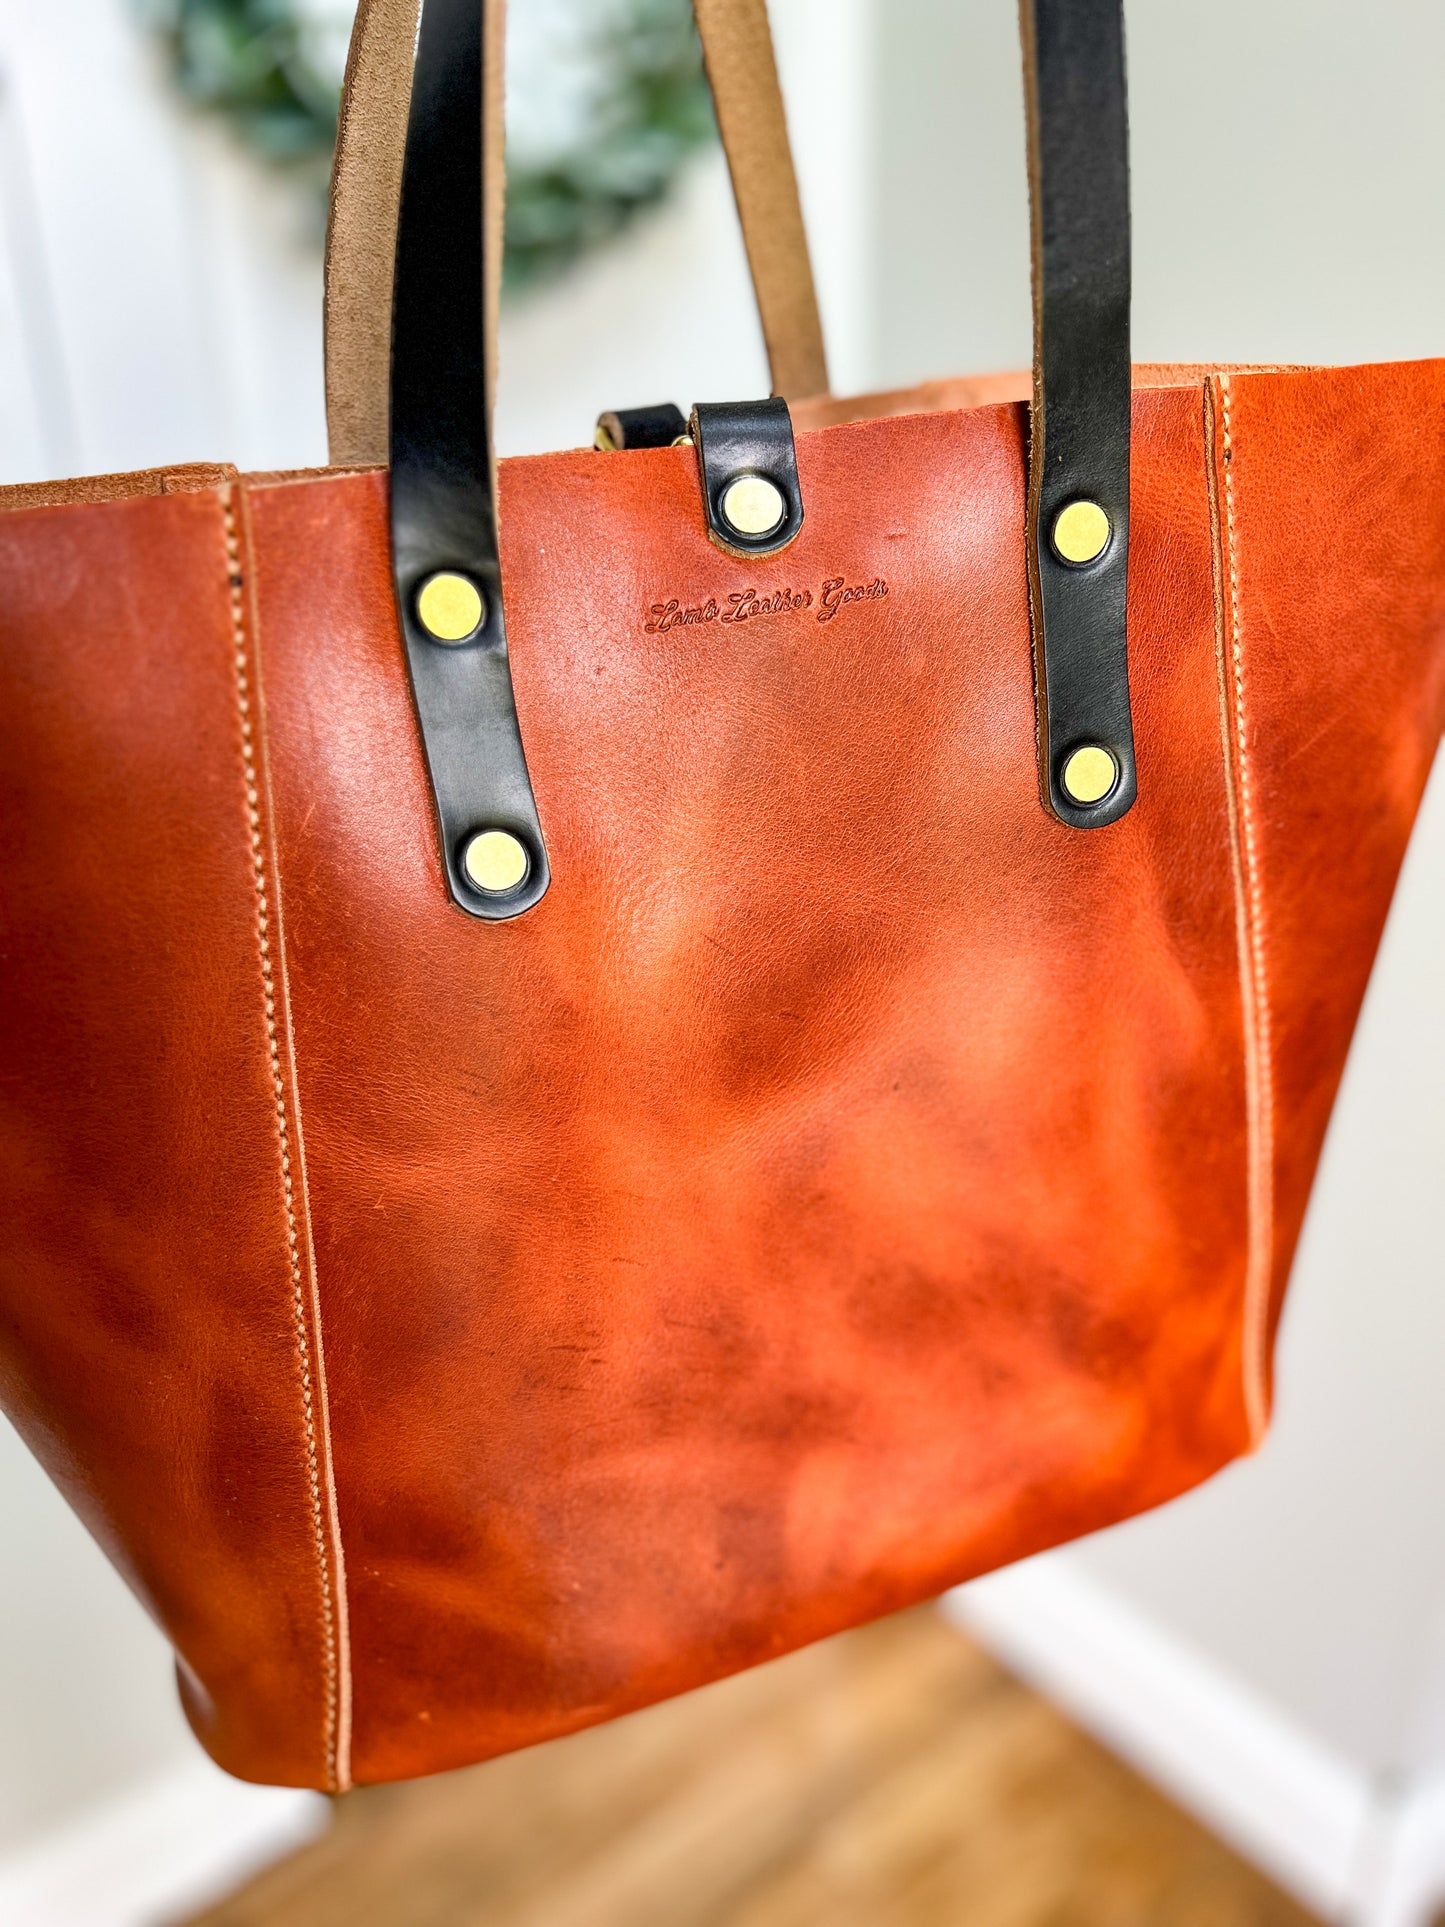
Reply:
x=366, y=189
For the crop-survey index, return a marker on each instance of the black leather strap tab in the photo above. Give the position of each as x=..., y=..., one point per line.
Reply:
x=656, y=427
x=443, y=504
x=1079, y=175
x=739, y=443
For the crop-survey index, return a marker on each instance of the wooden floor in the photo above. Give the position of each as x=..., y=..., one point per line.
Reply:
x=892, y=1778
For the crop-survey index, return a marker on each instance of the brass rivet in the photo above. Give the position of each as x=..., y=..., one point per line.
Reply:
x=754, y=506
x=1081, y=532
x=495, y=861
x=1089, y=774
x=603, y=439
x=450, y=607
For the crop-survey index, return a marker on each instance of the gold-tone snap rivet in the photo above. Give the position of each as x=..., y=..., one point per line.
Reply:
x=1089, y=774
x=450, y=607
x=753, y=506
x=495, y=861
x=1081, y=532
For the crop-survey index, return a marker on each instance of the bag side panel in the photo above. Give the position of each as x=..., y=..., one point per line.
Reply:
x=1332, y=493
x=149, y=1340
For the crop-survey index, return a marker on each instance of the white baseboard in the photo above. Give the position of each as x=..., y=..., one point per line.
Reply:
x=156, y=1854
x=1350, y=1850
x=1401, y=1880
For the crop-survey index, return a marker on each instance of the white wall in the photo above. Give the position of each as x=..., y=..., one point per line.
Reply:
x=158, y=296
x=87, y=1696
x=1288, y=168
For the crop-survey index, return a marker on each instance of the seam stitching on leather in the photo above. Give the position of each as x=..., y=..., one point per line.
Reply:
x=236, y=583
x=1261, y=1081
x=341, y=1751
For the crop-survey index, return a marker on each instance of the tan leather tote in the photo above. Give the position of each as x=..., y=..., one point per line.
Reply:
x=612, y=1067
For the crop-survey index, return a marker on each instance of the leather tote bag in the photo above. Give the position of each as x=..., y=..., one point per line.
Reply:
x=614, y=1066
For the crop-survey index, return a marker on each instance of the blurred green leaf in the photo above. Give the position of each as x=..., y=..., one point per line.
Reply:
x=259, y=65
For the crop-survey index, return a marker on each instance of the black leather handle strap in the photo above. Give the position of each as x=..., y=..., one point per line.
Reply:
x=443, y=493
x=1078, y=516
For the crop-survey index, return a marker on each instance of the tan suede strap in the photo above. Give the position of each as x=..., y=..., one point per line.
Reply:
x=738, y=48
x=366, y=191
x=365, y=196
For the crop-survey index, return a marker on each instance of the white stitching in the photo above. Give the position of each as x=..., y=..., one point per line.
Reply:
x=1261, y=1094
x=236, y=582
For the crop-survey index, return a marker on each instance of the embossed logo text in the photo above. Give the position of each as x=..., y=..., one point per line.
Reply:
x=745, y=605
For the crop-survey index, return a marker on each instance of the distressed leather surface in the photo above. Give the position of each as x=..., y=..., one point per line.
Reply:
x=848, y=1178
x=1335, y=624
x=149, y=1348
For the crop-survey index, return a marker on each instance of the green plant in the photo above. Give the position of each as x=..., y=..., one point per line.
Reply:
x=269, y=69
